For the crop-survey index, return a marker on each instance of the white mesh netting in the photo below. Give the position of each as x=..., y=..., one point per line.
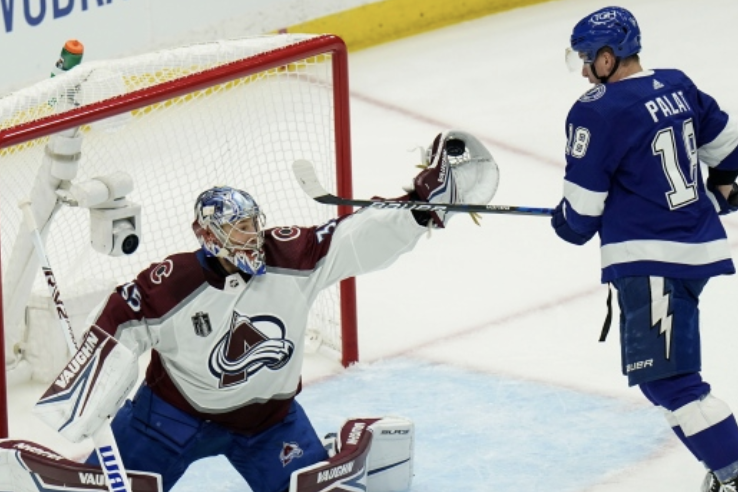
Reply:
x=245, y=133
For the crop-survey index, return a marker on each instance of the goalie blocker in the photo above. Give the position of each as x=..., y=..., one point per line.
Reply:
x=371, y=454
x=91, y=387
x=29, y=467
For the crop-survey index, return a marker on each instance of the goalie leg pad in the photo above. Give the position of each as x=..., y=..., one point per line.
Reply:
x=391, y=455
x=348, y=467
x=90, y=388
x=375, y=454
x=29, y=467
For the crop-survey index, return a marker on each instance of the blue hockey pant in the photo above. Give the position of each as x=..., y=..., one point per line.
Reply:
x=154, y=436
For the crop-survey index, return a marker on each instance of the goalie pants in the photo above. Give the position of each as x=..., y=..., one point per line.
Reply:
x=154, y=436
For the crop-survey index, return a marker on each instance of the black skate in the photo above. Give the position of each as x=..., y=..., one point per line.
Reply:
x=712, y=484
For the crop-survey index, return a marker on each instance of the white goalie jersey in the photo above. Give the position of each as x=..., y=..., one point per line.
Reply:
x=229, y=348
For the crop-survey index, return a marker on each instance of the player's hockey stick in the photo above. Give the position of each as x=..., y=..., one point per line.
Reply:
x=111, y=463
x=305, y=173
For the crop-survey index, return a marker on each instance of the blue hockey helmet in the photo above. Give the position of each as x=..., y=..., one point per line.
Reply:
x=614, y=27
x=229, y=224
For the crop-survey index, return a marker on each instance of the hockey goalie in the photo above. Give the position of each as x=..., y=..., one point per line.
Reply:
x=225, y=327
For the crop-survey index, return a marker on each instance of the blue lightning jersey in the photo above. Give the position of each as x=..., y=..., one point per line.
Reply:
x=633, y=175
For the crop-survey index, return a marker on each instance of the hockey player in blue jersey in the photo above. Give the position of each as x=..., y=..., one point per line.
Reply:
x=637, y=144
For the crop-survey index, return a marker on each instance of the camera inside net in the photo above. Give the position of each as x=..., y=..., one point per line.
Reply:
x=116, y=231
x=115, y=222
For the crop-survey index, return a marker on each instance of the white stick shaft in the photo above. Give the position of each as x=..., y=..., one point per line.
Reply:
x=61, y=311
x=104, y=441
x=110, y=460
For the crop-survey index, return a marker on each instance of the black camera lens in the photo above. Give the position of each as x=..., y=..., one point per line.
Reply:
x=130, y=244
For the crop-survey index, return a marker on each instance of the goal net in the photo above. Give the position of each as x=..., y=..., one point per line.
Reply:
x=177, y=122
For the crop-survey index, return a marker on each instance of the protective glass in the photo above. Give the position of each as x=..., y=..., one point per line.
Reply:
x=576, y=59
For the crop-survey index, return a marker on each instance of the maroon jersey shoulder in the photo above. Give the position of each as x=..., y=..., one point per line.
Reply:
x=155, y=291
x=172, y=280
x=299, y=248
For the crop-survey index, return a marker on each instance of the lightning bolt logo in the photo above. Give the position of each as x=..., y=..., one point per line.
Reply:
x=660, y=310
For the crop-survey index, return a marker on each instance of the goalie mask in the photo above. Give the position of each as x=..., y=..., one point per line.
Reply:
x=228, y=224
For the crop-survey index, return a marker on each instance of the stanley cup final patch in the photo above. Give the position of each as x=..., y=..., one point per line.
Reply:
x=201, y=323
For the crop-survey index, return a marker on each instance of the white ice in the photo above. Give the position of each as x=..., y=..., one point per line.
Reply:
x=487, y=336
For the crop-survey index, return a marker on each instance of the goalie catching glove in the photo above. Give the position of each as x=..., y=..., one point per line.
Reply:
x=90, y=388
x=457, y=169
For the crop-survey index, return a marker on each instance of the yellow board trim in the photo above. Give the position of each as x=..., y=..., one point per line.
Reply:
x=389, y=20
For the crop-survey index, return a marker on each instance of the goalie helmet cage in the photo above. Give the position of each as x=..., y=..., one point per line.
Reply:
x=235, y=112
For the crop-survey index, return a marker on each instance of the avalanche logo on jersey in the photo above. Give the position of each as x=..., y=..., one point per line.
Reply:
x=290, y=451
x=286, y=233
x=252, y=344
x=161, y=271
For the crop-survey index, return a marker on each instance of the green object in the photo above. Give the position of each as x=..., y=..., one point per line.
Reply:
x=71, y=56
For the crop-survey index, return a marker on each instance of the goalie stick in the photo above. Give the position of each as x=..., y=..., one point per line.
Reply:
x=104, y=441
x=305, y=173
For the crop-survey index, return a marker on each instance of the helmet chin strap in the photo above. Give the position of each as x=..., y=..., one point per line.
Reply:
x=603, y=80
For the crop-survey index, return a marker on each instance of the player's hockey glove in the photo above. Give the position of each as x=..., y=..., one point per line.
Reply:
x=457, y=168
x=723, y=205
x=562, y=227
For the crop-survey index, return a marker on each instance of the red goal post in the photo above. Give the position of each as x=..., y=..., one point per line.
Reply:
x=208, y=118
